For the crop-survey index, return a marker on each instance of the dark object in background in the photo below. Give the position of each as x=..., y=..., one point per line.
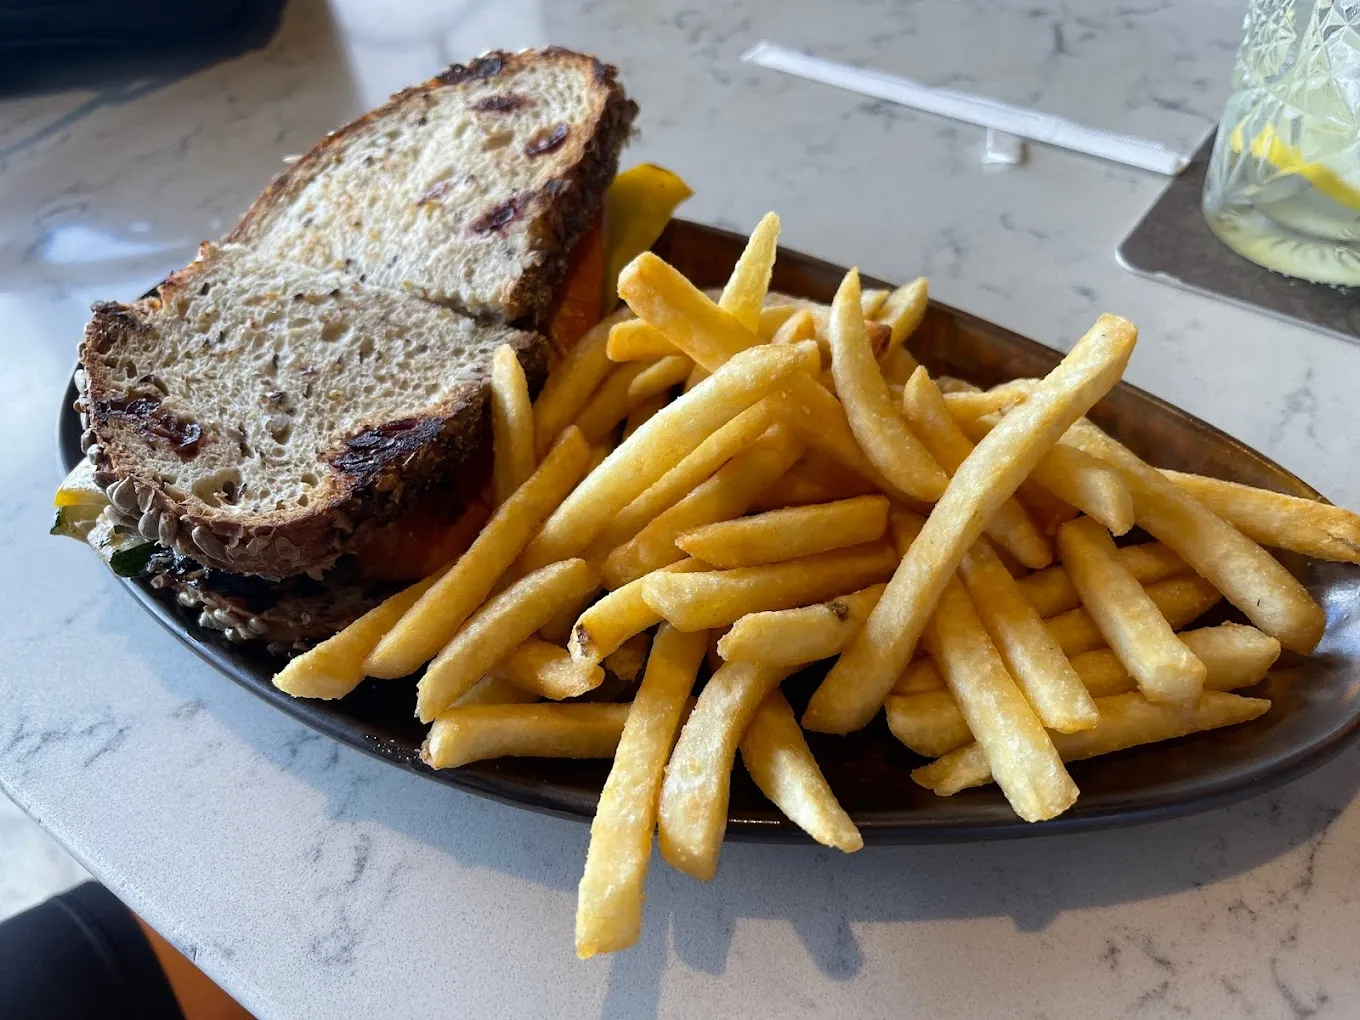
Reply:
x=51, y=45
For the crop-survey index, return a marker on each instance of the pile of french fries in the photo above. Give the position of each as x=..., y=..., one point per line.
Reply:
x=735, y=489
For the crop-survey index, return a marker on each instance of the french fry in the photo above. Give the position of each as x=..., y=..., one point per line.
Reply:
x=1129, y=620
x=726, y=495
x=773, y=316
x=814, y=479
x=671, y=435
x=659, y=377
x=435, y=617
x=1030, y=652
x=793, y=637
x=744, y=295
x=927, y=722
x=1248, y=576
x=1073, y=477
x=572, y=383
x=495, y=690
x=605, y=626
x=512, y=425
x=635, y=340
x=1046, y=510
x=640, y=415
x=612, y=401
x=1126, y=720
x=855, y=687
x=609, y=898
x=902, y=312
x=788, y=534
x=897, y=366
x=548, y=670
x=490, y=634
x=706, y=458
x=1304, y=526
x=476, y=732
x=697, y=374
x=716, y=598
x=336, y=666
x=882, y=432
x=638, y=204
x=778, y=758
x=1016, y=745
x=796, y=328
x=871, y=302
x=692, y=814
x=1010, y=527
x=711, y=336
x=974, y=404
x=1180, y=600
x=1051, y=592
x=626, y=661
x=1234, y=655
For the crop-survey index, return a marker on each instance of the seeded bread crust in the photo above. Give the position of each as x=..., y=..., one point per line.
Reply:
x=362, y=480
x=541, y=225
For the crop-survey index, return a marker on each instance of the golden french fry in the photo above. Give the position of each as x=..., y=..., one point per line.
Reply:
x=512, y=425
x=1180, y=600
x=744, y=295
x=726, y=495
x=697, y=374
x=571, y=384
x=612, y=401
x=640, y=415
x=1050, y=591
x=773, y=316
x=779, y=760
x=1045, y=509
x=692, y=814
x=871, y=302
x=796, y=328
x=1028, y=649
x=1010, y=527
x=711, y=336
x=548, y=670
x=1248, y=576
x=609, y=898
x=1234, y=655
x=429, y=624
x=974, y=403
x=1071, y=476
x=706, y=458
x=495, y=690
x=902, y=312
x=626, y=661
x=788, y=534
x=928, y=722
x=1304, y=526
x=635, y=340
x=882, y=432
x=1126, y=720
x=659, y=377
x=1129, y=620
x=715, y=598
x=814, y=479
x=336, y=666
x=672, y=434
x=1017, y=746
x=897, y=366
x=490, y=634
x=606, y=625
x=793, y=637
x=855, y=687
x=475, y=732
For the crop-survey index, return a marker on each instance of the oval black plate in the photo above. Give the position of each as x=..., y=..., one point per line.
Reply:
x=1316, y=703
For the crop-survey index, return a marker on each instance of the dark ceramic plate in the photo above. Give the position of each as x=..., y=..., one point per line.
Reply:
x=1316, y=704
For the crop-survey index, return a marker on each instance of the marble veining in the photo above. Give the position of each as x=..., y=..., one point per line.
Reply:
x=313, y=881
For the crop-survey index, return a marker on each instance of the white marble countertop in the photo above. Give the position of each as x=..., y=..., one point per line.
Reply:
x=312, y=881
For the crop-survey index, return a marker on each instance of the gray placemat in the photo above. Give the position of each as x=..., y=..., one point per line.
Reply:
x=1172, y=243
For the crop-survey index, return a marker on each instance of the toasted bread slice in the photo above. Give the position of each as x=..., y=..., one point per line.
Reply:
x=469, y=190
x=255, y=414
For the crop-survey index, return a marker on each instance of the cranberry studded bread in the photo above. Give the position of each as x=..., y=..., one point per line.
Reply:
x=469, y=190
x=258, y=415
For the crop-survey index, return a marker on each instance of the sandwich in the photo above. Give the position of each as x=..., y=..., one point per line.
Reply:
x=297, y=422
